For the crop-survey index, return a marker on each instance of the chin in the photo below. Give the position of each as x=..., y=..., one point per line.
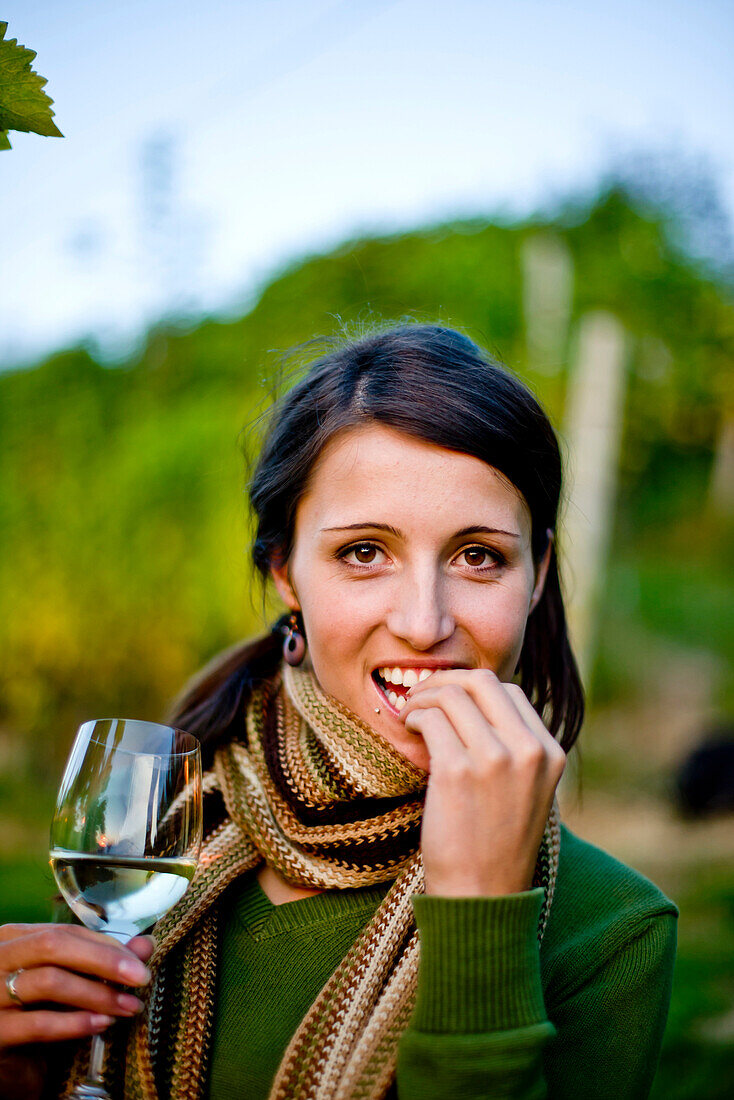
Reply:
x=412, y=747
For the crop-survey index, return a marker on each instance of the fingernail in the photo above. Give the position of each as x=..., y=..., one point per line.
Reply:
x=134, y=972
x=99, y=1022
x=128, y=1003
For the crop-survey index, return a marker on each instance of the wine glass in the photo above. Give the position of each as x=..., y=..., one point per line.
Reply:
x=126, y=834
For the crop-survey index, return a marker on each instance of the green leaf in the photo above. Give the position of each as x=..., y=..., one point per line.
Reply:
x=23, y=103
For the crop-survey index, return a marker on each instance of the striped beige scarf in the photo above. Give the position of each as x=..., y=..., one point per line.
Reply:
x=314, y=792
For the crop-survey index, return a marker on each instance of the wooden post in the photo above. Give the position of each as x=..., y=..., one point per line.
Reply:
x=593, y=431
x=721, y=487
x=547, y=298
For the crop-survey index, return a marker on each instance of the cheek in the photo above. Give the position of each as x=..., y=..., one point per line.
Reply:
x=338, y=636
x=498, y=624
x=338, y=627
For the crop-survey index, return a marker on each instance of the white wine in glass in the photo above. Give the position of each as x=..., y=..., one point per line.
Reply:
x=126, y=834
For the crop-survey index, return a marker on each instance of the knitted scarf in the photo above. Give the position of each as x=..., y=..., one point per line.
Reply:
x=317, y=794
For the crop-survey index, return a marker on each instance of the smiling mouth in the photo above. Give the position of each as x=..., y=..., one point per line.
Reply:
x=395, y=683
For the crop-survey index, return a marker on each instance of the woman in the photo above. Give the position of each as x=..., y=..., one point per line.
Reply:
x=386, y=904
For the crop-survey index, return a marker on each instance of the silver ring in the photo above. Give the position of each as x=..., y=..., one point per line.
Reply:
x=10, y=981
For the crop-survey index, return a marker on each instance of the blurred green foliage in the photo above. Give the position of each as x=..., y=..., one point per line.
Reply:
x=698, y=1051
x=121, y=510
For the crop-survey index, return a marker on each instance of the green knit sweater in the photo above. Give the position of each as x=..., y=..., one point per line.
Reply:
x=495, y=1016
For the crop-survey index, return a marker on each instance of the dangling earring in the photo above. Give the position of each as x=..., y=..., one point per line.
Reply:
x=294, y=646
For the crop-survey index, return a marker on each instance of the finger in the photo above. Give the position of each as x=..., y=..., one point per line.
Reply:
x=494, y=702
x=468, y=722
x=555, y=754
x=441, y=676
x=529, y=713
x=42, y=1026
x=442, y=741
x=60, y=945
x=10, y=932
x=484, y=686
x=142, y=946
x=52, y=984
x=463, y=694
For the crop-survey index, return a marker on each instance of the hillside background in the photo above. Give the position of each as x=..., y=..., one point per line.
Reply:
x=124, y=534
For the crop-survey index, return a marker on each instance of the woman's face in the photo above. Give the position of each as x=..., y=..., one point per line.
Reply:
x=407, y=558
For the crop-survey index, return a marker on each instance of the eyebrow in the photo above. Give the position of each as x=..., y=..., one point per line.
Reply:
x=486, y=531
x=478, y=530
x=365, y=526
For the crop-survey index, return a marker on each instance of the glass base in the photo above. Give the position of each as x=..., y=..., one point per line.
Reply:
x=89, y=1091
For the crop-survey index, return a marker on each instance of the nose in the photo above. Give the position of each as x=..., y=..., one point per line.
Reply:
x=420, y=614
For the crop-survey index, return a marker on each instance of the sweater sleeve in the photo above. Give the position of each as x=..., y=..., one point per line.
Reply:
x=480, y=1029
x=610, y=1026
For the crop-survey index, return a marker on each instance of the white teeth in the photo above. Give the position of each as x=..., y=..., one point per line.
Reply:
x=400, y=702
x=393, y=697
x=408, y=677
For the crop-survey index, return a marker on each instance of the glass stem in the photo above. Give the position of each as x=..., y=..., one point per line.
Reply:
x=96, y=1060
x=93, y=1088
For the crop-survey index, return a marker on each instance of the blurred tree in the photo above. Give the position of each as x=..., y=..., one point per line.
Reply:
x=682, y=187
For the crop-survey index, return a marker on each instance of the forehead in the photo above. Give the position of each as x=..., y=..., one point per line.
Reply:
x=376, y=473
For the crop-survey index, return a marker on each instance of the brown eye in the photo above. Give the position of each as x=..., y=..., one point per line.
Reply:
x=365, y=554
x=476, y=555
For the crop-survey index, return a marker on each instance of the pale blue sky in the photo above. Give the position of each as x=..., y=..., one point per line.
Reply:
x=291, y=124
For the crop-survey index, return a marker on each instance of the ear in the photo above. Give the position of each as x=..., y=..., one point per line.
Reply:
x=282, y=582
x=541, y=572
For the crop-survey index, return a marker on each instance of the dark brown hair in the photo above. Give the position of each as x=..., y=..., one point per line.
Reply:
x=435, y=384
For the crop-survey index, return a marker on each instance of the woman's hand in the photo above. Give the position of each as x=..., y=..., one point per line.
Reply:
x=66, y=966
x=494, y=771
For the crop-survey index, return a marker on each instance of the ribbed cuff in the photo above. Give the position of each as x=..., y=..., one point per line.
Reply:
x=480, y=963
